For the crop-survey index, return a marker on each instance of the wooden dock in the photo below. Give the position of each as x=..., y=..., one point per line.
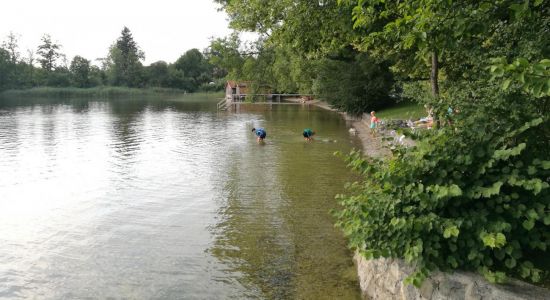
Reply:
x=230, y=100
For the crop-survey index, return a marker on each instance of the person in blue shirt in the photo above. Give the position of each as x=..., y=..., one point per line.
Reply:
x=260, y=133
x=308, y=134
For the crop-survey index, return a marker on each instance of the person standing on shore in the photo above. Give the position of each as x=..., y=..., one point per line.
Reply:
x=373, y=122
x=260, y=134
x=308, y=134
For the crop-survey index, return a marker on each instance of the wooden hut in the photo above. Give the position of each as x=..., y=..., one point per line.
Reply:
x=238, y=90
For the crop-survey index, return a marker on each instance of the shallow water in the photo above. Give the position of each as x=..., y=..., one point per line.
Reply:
x=151, y=198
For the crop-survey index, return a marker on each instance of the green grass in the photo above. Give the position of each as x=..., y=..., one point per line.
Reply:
x=402, y=111
x=96, y=92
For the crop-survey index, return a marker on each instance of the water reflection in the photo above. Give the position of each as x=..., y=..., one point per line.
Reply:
x=126, y=129
x=162, y=199
x=275, y=226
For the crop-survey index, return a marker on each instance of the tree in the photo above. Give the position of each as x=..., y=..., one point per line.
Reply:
x=429, y=32
x=49, y=53
x=5, y=68
x=361, y=84
x=470, y=195
x=11, y=45
x=300, y=42
x=125, y=61
x=80, y=71
x=223, y=54
x=30, y=65
x=195, y=67
x=157, y=74
x=177, y=79
x=312, y=27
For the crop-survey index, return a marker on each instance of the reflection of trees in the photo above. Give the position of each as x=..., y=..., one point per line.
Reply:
x=275, y=226
x=9, y=133
x=79, y=105
x=127, y=138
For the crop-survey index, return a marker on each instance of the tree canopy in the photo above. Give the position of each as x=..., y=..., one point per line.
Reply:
x=122, y=66
x=471, y=195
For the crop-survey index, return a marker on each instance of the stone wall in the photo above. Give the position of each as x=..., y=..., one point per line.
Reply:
x=383, y=279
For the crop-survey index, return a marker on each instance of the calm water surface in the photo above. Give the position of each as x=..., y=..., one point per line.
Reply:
x=170, y=199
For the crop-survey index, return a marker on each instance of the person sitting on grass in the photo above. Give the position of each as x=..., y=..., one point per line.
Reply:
x=260, y=133
x=308, y=134
x=426, y=122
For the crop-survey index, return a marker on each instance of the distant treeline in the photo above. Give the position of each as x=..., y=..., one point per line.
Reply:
x=47, y=66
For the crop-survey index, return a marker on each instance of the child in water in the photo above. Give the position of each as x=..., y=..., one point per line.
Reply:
x=373, y=122
x=308, y=134
x=260, y=133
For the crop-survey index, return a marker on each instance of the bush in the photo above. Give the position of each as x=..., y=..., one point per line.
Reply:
x=474, y=197
x=354, y=85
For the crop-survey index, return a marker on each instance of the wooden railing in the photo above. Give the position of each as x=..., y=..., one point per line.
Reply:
x=225, y=103
x=222, y=104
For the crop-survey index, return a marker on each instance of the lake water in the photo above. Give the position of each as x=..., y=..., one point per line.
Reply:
x=170, y=199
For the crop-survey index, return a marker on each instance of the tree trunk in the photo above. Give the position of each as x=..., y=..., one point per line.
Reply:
x=434, y=75
x=435, y=85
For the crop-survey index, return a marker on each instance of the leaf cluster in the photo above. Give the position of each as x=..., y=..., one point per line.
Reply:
x=472, y=197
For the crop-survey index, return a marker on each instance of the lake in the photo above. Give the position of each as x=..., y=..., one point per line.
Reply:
x=169, y=198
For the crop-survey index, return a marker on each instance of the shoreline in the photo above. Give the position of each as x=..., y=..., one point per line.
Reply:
x=92, y=92
x=376, y=283
x=371, y=145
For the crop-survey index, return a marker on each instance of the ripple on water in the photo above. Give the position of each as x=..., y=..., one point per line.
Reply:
x=130, y=199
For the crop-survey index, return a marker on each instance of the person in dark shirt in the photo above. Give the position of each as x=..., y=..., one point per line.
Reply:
x=308, y=134
x=260, y=134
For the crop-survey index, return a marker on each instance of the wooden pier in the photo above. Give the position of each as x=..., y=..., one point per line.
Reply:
x=229, y=101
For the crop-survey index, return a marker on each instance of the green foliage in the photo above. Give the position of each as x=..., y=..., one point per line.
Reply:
x=157, y=74
x=361, y=85
x=404, y=110
x=125, y=57
x=195, y=67
x=223, y=54
x=49, y=53
x=80, y=71
x=474, y=197
x=5, y=69
x=307, y=47
x=532, y=78
x=121, y=67
x=94, y=92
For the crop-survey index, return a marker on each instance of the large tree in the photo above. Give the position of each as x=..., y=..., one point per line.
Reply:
x=224, y=55
x=49, y=53
x=305, y=46
x=157, y=74
x=195, y=67
x=125, y=61
x=423, y=37
x=12, y=46
x=80, y=71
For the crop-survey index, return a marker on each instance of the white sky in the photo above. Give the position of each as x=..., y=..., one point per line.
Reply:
x=164, y=29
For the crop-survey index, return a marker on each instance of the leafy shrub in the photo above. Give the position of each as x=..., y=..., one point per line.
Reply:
x=473, y=197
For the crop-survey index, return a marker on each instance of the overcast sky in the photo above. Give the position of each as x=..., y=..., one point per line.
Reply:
x=164, y=29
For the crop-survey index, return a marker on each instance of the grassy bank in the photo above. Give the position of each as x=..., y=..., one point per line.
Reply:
x=402, y=111
x=95, y=92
